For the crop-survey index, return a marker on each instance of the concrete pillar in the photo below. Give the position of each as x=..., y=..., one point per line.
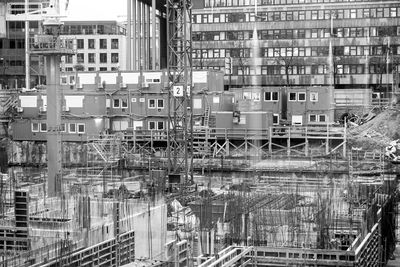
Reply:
x=27, y=54
x=129, y=36
x=288, y=142
x=139, y=35
x=148, y=36
x=306, y=147
x=134, y=35
x=153, y=35
x=54, y=155
x=270, y=141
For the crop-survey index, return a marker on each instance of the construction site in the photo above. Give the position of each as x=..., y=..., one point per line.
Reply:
x=219, y=184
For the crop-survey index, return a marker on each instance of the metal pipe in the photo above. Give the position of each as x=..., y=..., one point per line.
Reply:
x=27, y=57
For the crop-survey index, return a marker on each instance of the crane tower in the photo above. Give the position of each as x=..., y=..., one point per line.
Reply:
x=180, y=129
x=52, y=48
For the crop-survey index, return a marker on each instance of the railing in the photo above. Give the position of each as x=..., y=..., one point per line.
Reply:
x=304, y=255
x=377, y=102
x=309, y=132
x=19, y=8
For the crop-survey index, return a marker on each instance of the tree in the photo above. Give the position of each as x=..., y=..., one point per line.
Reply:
x=240, y=55
x=79, y=67
x=284, y=57
x=383, y=56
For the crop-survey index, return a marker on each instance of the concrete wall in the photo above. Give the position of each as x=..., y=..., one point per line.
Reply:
x=30, y=152
x=151, y=233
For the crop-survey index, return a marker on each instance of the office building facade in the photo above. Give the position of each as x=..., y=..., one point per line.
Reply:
x=350, y=44
x=100, y=46
x=12, y=45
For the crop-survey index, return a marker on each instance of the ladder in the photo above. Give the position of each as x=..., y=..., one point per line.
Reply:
x=207, y=112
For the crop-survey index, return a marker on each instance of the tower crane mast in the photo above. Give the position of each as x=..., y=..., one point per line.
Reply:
x=180, y=127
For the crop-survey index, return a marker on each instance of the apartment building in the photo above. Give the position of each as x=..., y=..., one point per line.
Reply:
x=352, y=44
x=100, y=46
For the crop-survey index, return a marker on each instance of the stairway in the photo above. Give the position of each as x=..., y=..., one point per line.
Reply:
x=108, y=149
x=201, y=146
x=207, y=113
x=8, y=103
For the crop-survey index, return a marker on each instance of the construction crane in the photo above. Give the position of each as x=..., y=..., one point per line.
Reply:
x=48, y=44
x=180, y=127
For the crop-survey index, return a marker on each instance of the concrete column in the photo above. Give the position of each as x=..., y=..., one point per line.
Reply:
x=129, y=36
x=148, y=36
x=27, y=56
x=134, y=35
x=153, y=35
x=270, y=141
x=288, y=143
x=54, y=102
x=327, y=140
x=139, y=35
x=306, y=147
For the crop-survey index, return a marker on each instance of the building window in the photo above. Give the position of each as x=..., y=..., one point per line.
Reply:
x=275, y=119
x=79, y=44
x=91, y=44
x=292, y=97
x=35, y=127
x=80, y=58
x=353, y=13
x=43, y=127
x=103, y=43
x=312, y=118
x=72, y=127
x=124, y=103
x=379, y=12
x=156, y=103
x=91, y=58
x=64, y=80
x=91, y=69
x=63, y=128
x=271, y=96
x=68, y=59
x=393, y=12
x=339, y=69
x=322, y=118
x=114, y=58
x=160, y=103
x=152, y=125
x=152, y=103
x=103, y=57
x=156, y=125
x=103, y=69
x=314, y=97
x=81, y=128
x=114, y=43
x=302, y=97
x=116, y=103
